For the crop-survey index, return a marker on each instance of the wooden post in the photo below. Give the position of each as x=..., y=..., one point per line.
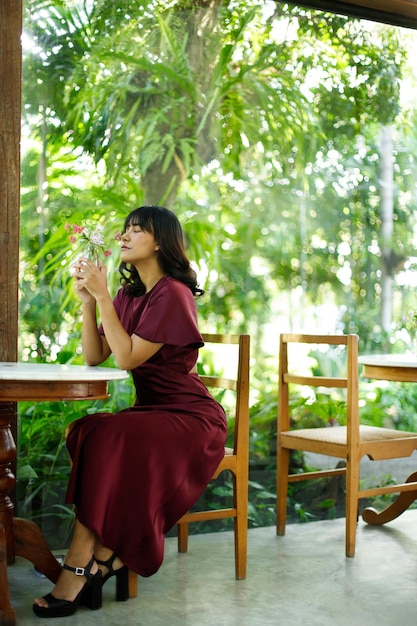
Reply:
x=10, y=116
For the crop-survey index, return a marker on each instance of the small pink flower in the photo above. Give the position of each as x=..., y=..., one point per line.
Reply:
x=90, y=237
x=118, y=236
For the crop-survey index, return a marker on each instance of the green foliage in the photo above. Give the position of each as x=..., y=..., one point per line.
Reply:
x=263, y=429
x=217, y=110
x=258, y=123
x=390, y=406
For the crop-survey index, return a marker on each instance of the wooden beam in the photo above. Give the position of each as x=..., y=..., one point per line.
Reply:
x=399, y=13
x=10, y=116
x=407, y=8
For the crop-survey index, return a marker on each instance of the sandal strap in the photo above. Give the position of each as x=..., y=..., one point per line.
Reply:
x=81, y=571
x=108, y=563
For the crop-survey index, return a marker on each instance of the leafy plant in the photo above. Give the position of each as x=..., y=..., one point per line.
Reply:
x=392, y=405
x=259, y=126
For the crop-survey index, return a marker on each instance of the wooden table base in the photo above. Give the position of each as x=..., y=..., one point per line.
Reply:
x=374, y=518
x=17, y=536
x=30, y=544
x=7, y=615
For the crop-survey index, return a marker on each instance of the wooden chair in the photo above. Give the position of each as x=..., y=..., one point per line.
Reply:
x=235, y=459
x=351, y=442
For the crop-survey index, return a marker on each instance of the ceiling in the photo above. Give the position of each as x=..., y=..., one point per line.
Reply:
x=398, y=12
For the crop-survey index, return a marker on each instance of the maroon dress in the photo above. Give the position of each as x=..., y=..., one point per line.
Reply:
x=135, y=473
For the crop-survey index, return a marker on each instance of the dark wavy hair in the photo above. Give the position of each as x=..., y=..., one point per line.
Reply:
x=163, y=224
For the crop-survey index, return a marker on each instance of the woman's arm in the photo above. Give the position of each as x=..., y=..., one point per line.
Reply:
x=95, y=346
x=129, y=351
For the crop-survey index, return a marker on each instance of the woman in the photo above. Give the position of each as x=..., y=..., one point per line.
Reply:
x=135, y=473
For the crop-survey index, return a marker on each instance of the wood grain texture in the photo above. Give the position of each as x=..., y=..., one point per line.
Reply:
x=10, y=115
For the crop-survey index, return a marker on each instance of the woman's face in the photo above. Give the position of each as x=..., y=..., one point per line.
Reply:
x=137, y=245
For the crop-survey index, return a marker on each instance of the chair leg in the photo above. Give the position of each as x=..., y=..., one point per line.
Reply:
x=352, y=505
x=133, y=584
x=241, y=526
x=283, y=464
x=182, y=529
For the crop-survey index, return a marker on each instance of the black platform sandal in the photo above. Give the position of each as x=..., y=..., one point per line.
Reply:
x=89, y=596
x=122, y=577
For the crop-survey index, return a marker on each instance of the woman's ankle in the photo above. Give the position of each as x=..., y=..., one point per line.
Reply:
x=103, y=554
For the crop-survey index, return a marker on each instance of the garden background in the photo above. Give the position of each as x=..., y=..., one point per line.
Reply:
x=285, y=140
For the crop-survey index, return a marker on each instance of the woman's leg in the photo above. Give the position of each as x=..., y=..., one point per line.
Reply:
x=103, y=554
x=111, y=565
x=79, y=554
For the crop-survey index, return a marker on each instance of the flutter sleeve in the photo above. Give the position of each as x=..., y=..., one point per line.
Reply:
x=170, y=316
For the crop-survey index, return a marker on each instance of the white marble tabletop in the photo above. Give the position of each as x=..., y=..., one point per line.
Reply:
x=54, y=372
x=390, y=360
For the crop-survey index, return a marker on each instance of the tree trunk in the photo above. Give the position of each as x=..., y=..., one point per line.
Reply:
x=387, y=225
x=161, y=187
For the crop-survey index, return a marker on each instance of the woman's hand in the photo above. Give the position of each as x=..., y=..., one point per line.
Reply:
x=90, y=280
x=83, y=294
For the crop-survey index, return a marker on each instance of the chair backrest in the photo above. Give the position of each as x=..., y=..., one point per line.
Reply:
x=236, y=381
x=348, y=380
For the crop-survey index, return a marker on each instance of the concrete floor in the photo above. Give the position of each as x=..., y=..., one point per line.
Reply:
x=300, y=579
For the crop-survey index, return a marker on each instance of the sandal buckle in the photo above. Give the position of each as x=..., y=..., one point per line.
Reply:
x=80, y=571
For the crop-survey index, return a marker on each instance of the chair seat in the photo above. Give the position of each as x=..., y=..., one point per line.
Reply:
x=337, y=434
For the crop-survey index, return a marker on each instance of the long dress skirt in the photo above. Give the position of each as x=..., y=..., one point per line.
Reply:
x=136, y=473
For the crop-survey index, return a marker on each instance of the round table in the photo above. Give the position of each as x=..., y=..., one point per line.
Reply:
x=393, y=368
x=36, y=382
